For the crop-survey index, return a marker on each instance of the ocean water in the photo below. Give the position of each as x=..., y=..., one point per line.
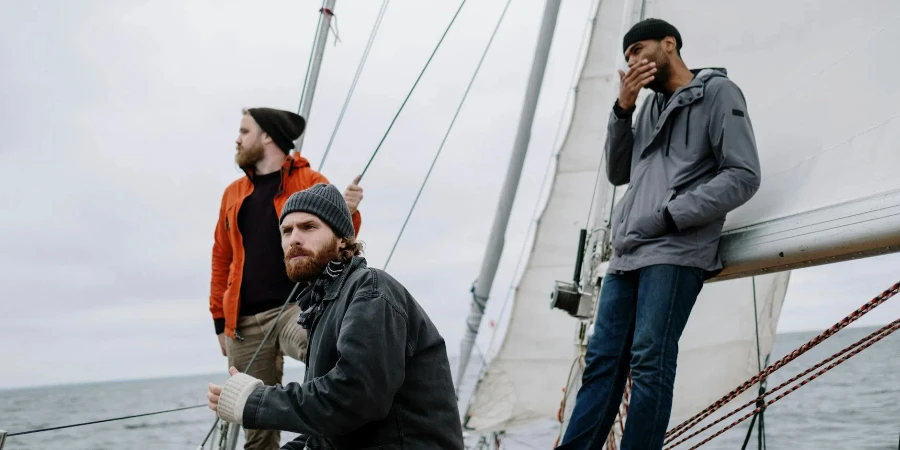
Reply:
x=856, y=405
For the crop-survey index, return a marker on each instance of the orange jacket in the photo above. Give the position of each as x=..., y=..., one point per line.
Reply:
x=228, y=248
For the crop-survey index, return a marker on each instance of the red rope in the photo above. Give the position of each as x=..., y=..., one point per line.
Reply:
x=881, y=298
x=849, y=351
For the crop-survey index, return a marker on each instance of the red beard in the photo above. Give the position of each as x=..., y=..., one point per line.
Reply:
x=311, y=266
x=247, y=157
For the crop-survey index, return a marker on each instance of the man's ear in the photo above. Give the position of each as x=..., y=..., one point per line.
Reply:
x=265, y=138
x=670, y=45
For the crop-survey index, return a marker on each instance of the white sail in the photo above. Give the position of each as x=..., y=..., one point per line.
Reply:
x=827, y=133
x=825, y=107
x=523, y=383
x=718, y=349
x=538, y=357
x=826, y=116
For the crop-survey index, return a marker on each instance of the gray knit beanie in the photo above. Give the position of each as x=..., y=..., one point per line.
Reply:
x=325, y=202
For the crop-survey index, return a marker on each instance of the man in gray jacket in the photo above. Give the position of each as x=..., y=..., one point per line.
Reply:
x=377, y=372
x=689, y=157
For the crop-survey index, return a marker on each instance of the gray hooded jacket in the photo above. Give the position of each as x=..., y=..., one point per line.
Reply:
x=688, y=162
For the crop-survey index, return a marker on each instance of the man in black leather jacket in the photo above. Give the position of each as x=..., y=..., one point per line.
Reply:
x=377, y=368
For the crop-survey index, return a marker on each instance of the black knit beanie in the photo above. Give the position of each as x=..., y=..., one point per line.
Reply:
x=284, y=127
x=651, y=29
x=325, y=202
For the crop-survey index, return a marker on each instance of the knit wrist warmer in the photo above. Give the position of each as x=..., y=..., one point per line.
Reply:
x=234, y=396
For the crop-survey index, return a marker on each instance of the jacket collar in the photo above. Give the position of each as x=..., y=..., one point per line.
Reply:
x=291, y=162
x=683, y=97
x=332, y=291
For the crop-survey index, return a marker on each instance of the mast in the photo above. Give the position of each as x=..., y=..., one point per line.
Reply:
x=312, y=78
x=482, y=287
x=325, y=15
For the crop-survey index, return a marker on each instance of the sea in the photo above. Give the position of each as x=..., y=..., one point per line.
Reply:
x=854, y=406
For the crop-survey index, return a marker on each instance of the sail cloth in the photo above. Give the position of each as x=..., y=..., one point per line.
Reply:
x=825, y=107
x=524, y=381
x=718, y=349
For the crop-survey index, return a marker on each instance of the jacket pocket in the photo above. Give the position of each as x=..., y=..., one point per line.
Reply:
x=665, y=201
x=647, y=220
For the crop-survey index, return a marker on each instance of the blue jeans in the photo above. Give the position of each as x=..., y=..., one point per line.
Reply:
x=640, y=319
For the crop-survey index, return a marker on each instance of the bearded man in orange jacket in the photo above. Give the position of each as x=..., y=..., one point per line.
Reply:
x=249, y=283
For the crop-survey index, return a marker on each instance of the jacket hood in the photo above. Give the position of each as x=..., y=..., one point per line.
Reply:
x=704, y=74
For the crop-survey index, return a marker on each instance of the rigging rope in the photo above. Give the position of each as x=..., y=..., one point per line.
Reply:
x=847, y=353
x=413, y=88
x=447, y=134
x=40, y=430
x=362, y=62
x=881, y=298
x=246, y=369
x=265, y=338
x=760, y=435
x=695, y=420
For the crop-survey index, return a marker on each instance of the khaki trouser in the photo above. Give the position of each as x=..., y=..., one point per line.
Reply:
x=288, y=338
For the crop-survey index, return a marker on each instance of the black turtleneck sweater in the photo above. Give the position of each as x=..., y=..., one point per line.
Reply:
x=265, y=283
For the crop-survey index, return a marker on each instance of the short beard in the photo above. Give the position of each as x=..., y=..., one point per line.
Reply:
x=247, y=157
x=313, y=266
x=660, y=81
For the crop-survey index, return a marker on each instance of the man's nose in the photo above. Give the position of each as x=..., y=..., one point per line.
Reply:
x=296, y=238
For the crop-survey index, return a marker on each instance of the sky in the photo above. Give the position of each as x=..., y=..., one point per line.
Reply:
x=119, y=120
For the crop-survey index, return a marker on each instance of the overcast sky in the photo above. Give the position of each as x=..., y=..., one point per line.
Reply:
x=119, y=120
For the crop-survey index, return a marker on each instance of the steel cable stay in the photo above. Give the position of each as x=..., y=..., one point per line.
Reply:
x=413, y=88
x=447, y=133
x=40, y=430
x=359, y=68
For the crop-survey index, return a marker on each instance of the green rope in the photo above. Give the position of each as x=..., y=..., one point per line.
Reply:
x=447, y=134
x=413, y=87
